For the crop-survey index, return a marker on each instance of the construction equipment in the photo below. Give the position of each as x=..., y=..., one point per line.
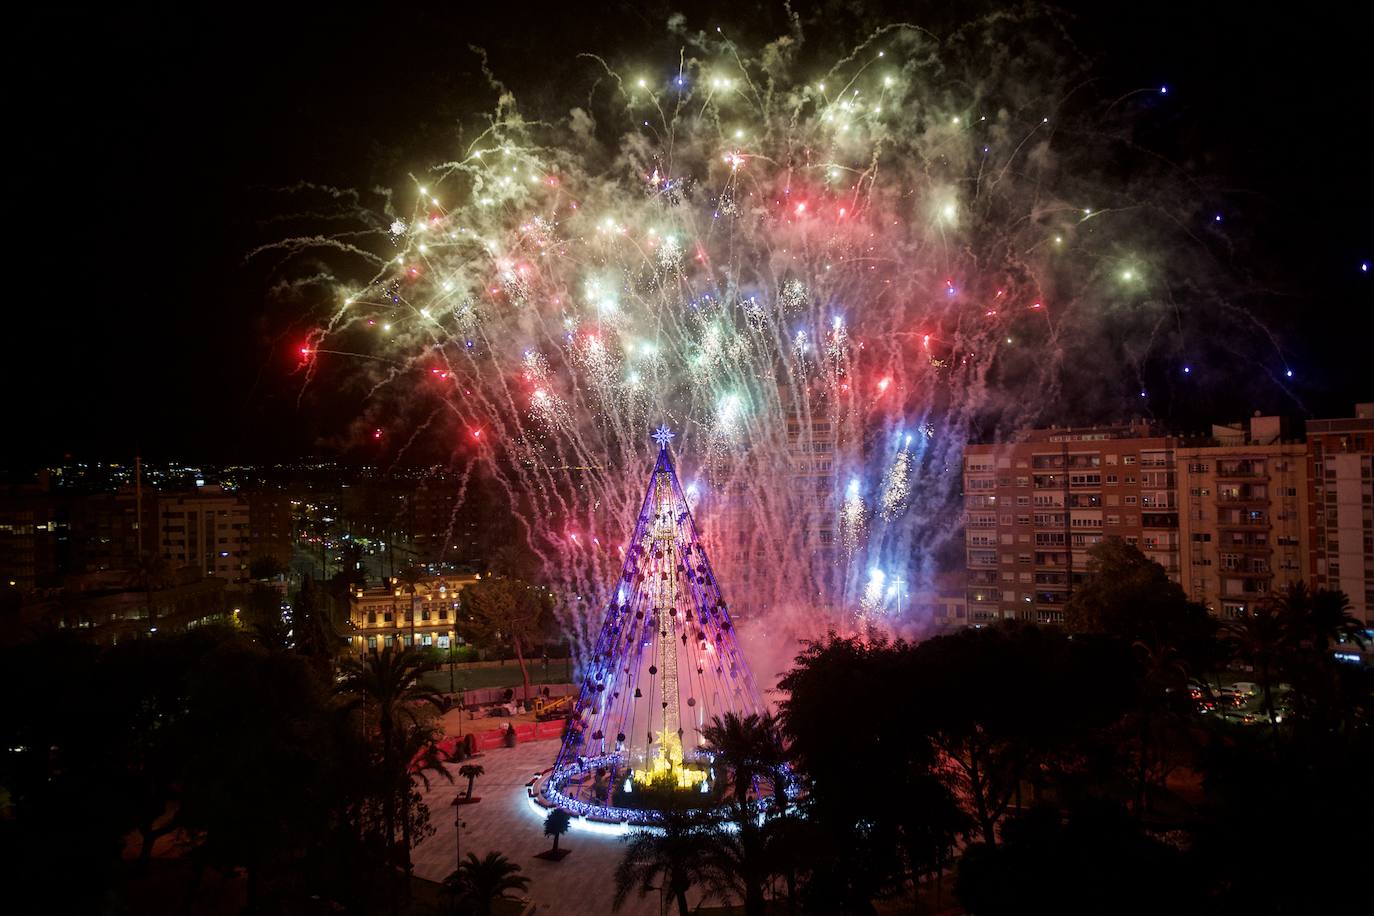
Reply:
x=555, y=708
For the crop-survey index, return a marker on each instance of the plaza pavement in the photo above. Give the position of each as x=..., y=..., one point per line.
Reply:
x=583, y=884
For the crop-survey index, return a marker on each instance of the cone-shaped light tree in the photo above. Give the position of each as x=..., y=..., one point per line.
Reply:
x=666, y=662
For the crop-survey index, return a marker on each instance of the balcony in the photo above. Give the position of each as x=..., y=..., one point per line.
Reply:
x=1243, y=520
x=1246, y=548
x=1244, y=497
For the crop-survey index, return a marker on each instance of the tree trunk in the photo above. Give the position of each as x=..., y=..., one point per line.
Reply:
x=1141, y=770
x=1269, y=703
x=524, y=670
x=981, y=803
x=145, y=852
x=193, y=888
x=405, y=838
x=555, y=842
x=753, y=900
x=388, y=813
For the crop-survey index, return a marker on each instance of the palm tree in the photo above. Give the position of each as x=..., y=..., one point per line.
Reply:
x=1163, y=679
x=1261, y=637
x=389, y=682
x=481, y=882
x=555, y=825
x=470, y=772
x=1316, y=621
x=515, y=560
x=679, y=855
x=750, y=748
x=420, y=752
x=410, y=578
x=1330, y=621
x=150, y=573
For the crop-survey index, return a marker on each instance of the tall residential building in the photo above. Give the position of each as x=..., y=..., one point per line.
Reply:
x=270, y=531
x=1244, y=521
x=1034, y=507
x=30, y=526
x=205, y=529
x=746, y=555
x=105, y=529
x=1340, y=462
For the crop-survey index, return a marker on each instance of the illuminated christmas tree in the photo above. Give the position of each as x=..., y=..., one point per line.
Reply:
x=665, y=663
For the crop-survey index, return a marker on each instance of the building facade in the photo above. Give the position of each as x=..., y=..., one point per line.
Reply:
x=1233, y=517
x=106, y=608
x=270, y=526
x=391, y=615
x=205, y=529
x=1033, y=508
x=1244, y=523
x=1340, y=472
x=31, y=528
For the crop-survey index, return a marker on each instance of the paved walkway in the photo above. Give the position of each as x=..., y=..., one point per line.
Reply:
x=583, y=884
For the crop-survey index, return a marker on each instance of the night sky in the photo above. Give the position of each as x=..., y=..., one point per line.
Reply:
x=149, y=144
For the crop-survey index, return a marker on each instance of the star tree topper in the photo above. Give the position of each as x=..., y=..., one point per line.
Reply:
x=663, y=435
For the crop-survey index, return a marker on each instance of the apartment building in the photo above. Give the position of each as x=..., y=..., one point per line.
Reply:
x=205, y=529
x=391, y=615
x=270, y=525
x=1034, y=507
x=745, y=554
x=944, y=606
x=1244, y=522
x=1340, y=480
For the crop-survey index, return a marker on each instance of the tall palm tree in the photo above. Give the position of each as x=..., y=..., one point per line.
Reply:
x=470, y=772
x=1261, y=637
x=389, y=685
x=481, y=882
x=410, y=579
x=150, y=573
x=750, y=748
x=1163, y=681
x=423, y=758
x=1317, y=621
x=515, y=560
x=1324, y=617
x=678, y=856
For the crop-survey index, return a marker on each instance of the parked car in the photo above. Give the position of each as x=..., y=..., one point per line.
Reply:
x=1248, y=688
x=1230, y=698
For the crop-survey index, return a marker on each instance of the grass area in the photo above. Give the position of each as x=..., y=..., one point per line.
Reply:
x=507, y=675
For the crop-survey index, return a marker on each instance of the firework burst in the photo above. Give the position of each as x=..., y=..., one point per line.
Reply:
x=790, y=262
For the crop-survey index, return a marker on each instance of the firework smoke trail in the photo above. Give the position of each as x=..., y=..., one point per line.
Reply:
x=791, y=269
x=897, y=484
